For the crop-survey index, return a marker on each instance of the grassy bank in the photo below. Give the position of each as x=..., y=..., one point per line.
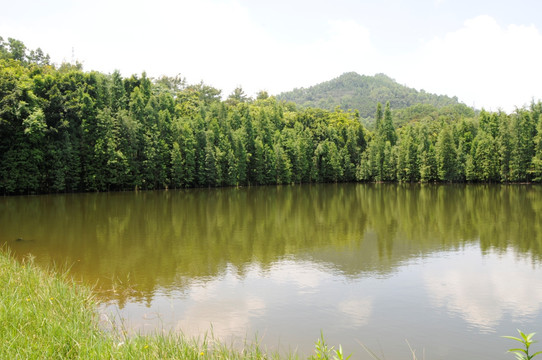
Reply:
x=44, y=315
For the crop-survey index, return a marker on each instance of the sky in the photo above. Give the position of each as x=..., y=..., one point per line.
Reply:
x=488, y=53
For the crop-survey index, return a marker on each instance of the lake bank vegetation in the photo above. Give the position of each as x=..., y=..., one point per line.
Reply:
x=66, y=130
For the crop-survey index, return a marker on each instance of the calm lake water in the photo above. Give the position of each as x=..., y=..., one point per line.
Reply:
x=449, y=268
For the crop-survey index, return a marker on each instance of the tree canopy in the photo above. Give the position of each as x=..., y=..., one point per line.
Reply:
x=64, y=130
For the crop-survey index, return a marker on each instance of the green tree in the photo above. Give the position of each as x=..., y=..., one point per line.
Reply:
x=486, y=157
x=446, y=155
x=504, y=142
x=237, y=96
x=178, y=176
x=465, y=131
x=522, y=130
x=283, y=167
x=537, y=159
x=327, y=162
x=378, y=118
x=111, y=163
x=17, y=49
x=388, y=130
x=428, y=164
x=407, y=156
x=118, y=92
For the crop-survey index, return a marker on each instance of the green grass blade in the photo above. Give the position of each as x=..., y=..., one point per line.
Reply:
x=513, y=338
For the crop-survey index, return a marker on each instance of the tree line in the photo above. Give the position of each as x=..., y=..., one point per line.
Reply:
x=66, y=130
x=492, y=147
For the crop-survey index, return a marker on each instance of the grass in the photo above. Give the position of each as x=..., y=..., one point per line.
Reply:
x=45, y=315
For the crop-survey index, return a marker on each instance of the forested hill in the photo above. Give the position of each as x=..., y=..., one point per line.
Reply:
x=361, y=92
x=63, y=129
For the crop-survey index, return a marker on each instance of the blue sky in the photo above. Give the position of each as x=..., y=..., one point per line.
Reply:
x=487, y=53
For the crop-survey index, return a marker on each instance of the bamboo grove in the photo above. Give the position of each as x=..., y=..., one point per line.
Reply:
x=66, y=130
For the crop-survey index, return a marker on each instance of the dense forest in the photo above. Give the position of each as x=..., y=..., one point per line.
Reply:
x=64, y=130
x=352, y=91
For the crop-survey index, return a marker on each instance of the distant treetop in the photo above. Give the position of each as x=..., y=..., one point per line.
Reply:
x=16, y=50
x=352, y=91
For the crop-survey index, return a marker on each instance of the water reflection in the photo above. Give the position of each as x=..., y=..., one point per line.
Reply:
x=155, y=240
x=361, y=261
x=357, y=311
x=484, y=292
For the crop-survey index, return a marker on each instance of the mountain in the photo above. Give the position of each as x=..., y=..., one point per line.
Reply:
x=361, y=92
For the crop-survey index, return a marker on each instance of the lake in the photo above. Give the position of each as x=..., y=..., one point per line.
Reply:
x=447, y=268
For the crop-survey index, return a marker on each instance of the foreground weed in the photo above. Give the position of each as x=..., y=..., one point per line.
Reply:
x=527, y=341
x=324, y=352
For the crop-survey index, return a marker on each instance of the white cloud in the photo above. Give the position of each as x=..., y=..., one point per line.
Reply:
x=484, y=299
x=358, y=311
x=308, y=276
x=346, y=47
x=231, y=319
x=482, y=63
x=222, y=43
x=214, y=41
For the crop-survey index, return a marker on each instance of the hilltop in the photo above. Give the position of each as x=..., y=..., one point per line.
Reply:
x=361, y=92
